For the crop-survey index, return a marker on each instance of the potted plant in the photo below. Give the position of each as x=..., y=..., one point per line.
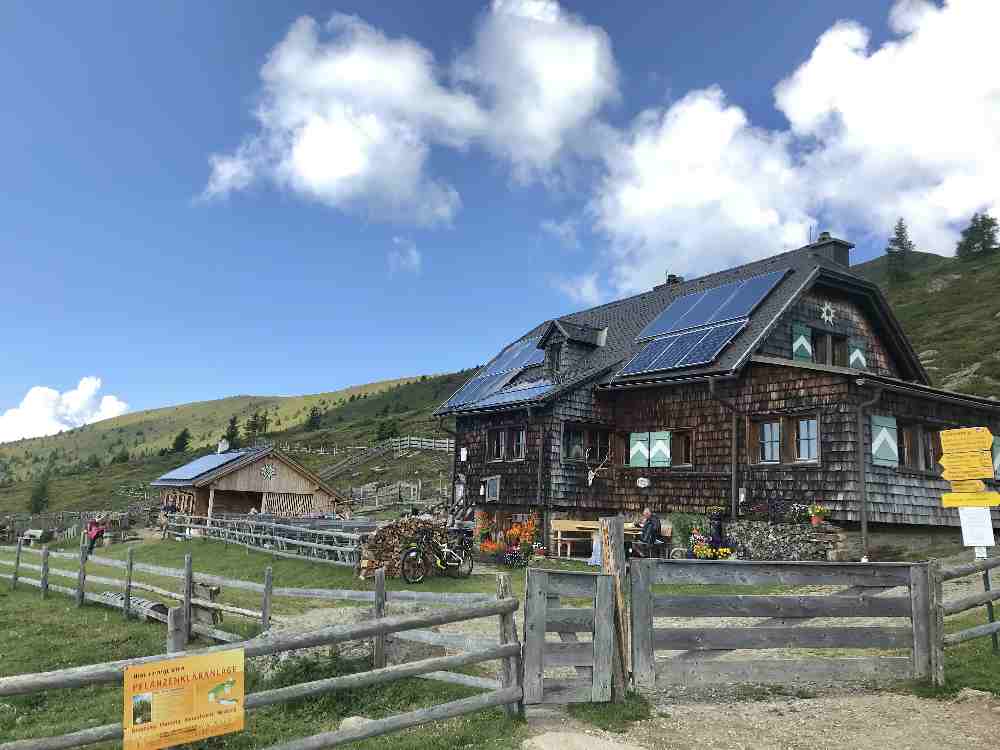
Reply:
x=817, y=513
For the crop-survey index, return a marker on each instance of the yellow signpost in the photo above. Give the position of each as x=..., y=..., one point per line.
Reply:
x=967, y=460
x=182, y=700
x=966, y=439
x=970, y=499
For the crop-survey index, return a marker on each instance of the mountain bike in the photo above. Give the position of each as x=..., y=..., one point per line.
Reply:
x=453, y=558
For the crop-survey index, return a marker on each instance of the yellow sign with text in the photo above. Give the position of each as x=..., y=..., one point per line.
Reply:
x=966, y=439
x=968, y=485
x=970, y=499
x=969, y=465
x=182, y=700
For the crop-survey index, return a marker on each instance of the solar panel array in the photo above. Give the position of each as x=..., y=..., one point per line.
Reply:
x=698, y=347
x=517, y=356
x=201, y=465
x=730, y=301
x=514, y=395
x=500, y=371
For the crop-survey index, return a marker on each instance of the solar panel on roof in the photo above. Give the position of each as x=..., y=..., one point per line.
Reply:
x=708, y=348
x=641, y=362
x=514, y=395
x=737, y=299
x=516, y=356
x=673, y=356
x=479, y=388
x=750, y=294
x=199, y=466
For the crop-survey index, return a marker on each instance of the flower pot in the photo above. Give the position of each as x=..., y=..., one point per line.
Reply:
x=816, y=520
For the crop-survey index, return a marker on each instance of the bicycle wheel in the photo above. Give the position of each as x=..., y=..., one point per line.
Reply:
x=464, y=569
x=413, y=566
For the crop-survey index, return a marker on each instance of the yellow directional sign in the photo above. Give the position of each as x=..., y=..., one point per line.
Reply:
x=969, y=465
x=970, y=499
x=966, y=439
x=968, y=485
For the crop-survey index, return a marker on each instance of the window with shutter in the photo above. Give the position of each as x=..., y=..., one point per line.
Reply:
x=859, y=354
x=638, y=449
x=885, y=441
x=659, y=449
x=802, y=347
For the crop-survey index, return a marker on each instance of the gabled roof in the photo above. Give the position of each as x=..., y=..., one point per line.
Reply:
x=204, y=470
x=574, y=332
x=625, y=319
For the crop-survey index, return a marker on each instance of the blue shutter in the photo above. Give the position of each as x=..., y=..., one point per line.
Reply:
x=802, y=347
x=885, y=441
x=638, y=449
x=857, y=354
x=659, y=449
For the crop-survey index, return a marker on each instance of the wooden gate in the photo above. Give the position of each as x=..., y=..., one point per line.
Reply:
x=569, y=604
x=900, y=591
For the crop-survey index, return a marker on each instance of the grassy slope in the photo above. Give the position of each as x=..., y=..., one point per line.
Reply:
x=409, y=404
x=146, y=432
x=952, y=307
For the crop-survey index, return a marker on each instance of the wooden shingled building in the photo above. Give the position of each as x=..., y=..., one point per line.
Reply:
x=264, y=480
x=784, y=380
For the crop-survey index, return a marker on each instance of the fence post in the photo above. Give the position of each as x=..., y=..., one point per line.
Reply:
x=127, y=586
x=265, y=608
x=937, y=623
x=510, y=668
x=44, y=577
x=17, y=565
x=922, y=616
x=176, y=630
x=613, y=563
x=378, y=645
x=81, y=575
x=535, y=604
x=643, y=673
x=990, y=614
x=188, y=595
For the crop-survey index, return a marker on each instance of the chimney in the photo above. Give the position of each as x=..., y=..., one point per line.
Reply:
x=672, y=280
x=832, y=248
x=223, y=446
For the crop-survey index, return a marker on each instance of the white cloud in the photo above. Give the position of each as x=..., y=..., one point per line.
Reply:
x=909, y=129
x=349, y=117
x=46, y=411
x=545, y=75
x=696, y=187
x=404, y=257
x=584, y=289
x=564, y=231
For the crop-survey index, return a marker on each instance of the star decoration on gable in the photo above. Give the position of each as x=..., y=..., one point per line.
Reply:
x=827, y=313
x=267, y=471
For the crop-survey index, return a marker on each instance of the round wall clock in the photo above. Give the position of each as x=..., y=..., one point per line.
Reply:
x=267, y=471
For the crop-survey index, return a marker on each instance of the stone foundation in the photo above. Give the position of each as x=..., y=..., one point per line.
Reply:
x=760, y=540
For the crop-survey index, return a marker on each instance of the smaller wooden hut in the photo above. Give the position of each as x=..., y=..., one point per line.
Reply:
x=258, y=479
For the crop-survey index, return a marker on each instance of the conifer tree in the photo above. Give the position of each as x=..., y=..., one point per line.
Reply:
x=899, y=253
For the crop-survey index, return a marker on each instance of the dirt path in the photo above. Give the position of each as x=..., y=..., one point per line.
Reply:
x=863, y=721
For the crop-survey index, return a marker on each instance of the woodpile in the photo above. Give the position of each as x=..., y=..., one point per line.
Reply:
x=386, y=545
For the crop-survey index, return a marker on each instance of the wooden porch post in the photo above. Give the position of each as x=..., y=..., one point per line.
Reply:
x=211, y=500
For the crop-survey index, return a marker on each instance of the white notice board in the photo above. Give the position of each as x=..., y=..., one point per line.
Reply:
x=977, y=527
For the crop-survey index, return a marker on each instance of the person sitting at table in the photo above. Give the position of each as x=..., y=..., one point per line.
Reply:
x=651, y=535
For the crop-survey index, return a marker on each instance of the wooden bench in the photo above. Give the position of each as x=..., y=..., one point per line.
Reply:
x=582, y=531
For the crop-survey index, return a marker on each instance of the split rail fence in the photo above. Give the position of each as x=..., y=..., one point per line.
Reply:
x=281, y=540
x=408, y=443
x=957, y=606
x=506, y=692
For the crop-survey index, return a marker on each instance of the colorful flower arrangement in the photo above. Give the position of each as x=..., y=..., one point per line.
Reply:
x=819, y=510
x=708, y=552
x=489, y=547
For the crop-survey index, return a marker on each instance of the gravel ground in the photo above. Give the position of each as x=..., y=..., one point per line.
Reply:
x=859, y=721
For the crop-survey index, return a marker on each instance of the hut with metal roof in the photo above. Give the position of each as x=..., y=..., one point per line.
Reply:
x=261, y=479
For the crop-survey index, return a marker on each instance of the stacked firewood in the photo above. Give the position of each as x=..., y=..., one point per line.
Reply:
x=386, y=546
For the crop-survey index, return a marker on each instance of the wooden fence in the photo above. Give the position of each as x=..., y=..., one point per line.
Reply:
x=957, y=606
x=507, y=692
x=391, y=445
x=281, y=540
x=700, y=647
x=591, y=658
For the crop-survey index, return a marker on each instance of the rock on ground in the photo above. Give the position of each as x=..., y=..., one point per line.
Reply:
x=354, y=722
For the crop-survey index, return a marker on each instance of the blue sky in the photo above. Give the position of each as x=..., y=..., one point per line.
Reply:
x=184, y=223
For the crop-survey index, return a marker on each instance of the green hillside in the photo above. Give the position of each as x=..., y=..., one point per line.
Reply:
x=84, y=475
x=950, y=309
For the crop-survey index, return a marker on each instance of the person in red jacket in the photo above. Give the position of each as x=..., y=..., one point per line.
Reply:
x=95, y=531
